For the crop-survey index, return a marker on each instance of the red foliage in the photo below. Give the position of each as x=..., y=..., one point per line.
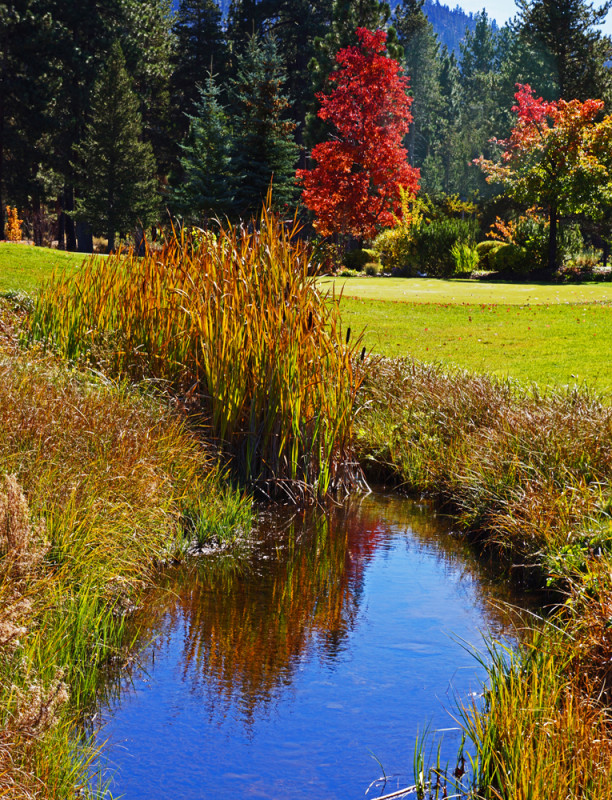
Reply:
x=354, y=188
x=536, y=118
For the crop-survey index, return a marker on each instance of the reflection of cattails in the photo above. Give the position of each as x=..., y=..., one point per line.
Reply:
x=247, y=625
x=245, y=632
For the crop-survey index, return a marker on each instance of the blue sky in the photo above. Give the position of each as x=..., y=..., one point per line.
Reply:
x=502, y=10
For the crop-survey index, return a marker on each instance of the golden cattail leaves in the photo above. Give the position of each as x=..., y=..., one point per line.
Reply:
x=225, y=313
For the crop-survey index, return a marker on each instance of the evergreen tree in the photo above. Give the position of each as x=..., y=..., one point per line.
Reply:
x=85, y=32
x=296, y=24
x=116, y=168
x=200, y=48
x=205, y=186
x=446, y=169
x=422, y=66
x=264, y=149
x=246, y=18
x=480, y=111
x=149, y=44
x=563, y=31
x=29, y=84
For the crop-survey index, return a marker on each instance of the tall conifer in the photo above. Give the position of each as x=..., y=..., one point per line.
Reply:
x=264, y=149
x=205, y=185
x=565, y=32
x=116, y=169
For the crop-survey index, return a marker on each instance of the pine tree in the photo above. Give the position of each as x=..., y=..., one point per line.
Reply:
x=246, y=18
x=149, y=44
x=422, y=66
x=205, y=185
x=296, y=24
x=563, y=31
x=481, y=116
x=263, y=148
x=29, y=83
x=200, y=48
x=450, y=154
x=116, y=169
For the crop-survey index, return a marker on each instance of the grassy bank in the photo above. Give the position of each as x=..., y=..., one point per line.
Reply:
x=528, y=477
x=24, y=268
x=99, y=485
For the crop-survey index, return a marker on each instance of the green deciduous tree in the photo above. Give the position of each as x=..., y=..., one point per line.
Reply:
x=115, y=167
x=557, y=157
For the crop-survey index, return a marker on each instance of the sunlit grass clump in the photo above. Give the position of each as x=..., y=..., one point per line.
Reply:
x=234, y=326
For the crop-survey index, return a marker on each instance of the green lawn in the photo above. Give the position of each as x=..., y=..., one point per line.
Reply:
x=434, y=290
x=534, y=333
x=24, y=268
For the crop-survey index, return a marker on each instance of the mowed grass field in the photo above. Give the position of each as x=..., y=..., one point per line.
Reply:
x=24, y=268
x=534, y=333
x=546, y=334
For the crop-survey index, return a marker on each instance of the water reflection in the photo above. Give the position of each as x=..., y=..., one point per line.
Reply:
x=330, y=639
x=247, y=623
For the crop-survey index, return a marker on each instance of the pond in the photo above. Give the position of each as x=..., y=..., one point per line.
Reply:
x=307, y=667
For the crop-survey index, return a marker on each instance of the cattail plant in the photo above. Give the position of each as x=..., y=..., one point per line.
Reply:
x=234, y=326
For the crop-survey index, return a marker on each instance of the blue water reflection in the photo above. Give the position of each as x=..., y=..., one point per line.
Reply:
x=282, y=675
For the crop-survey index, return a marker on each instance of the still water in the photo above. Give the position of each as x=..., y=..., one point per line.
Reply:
x=297, y=671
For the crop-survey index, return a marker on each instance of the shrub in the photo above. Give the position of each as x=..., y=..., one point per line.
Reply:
x=234, y=327
x=13, y=225
x=509, y=258
x=466, y=258
x=531, y=234
x=395, y=249
x=357, y=259
x=485, y=252
x=371, y=268
x=433, y=243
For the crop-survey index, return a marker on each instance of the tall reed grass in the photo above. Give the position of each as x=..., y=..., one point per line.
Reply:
x=234, y=326
x=528, y=474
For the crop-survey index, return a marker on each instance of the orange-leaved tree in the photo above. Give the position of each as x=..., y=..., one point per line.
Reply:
x=558, y=156
x=355, y=186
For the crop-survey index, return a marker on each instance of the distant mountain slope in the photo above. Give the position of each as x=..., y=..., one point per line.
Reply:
x=449, y=23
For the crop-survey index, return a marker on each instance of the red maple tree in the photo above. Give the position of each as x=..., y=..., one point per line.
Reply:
x=355, y=186
x=558, y=157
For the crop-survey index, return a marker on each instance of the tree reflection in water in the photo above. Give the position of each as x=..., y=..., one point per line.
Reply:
x=248, y=623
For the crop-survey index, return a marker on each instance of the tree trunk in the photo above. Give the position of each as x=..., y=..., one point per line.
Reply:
x=552, y=240
x=111, y=240
x=71, y=242
x=84, y=237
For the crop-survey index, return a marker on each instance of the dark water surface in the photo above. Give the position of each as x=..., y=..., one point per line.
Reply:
x=282, y=675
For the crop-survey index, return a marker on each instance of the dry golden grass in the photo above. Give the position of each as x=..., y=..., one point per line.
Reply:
x=98, y=485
